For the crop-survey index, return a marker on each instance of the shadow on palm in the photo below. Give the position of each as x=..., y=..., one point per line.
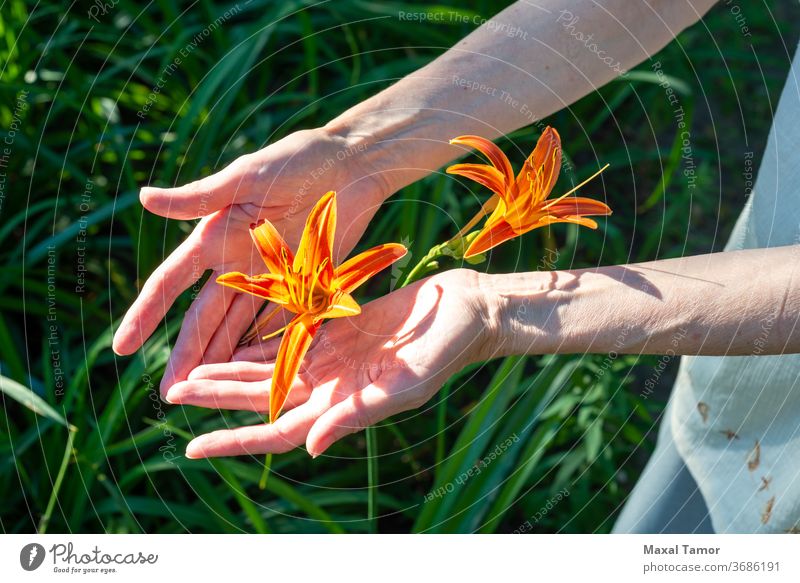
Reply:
x=360, y=370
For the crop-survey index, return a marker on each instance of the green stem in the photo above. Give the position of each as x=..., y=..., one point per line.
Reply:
x=262, y=483
x=406, y=447
x=441, y=424
x=424, y=266
x=45, y=520
x=372, y=480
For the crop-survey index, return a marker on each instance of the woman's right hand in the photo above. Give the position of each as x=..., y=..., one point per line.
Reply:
x=391, y=358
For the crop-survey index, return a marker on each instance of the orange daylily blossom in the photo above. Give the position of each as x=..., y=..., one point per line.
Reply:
x=308, y=285
x=520, y=204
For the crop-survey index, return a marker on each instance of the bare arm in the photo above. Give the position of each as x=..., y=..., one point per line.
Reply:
x=413, y=339
x=526, y=63
x=733, y=303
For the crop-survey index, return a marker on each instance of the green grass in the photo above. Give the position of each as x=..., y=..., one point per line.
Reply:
x=86, y=446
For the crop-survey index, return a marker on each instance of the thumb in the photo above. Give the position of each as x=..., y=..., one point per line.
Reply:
x=201, y=197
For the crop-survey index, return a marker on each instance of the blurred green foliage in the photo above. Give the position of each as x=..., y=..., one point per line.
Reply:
x=86, y=446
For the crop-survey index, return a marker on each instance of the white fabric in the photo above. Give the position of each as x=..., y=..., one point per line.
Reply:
x=736, y=419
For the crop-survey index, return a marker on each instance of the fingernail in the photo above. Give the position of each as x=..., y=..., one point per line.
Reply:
x=316, y=452
x=116, y=341
x=172, y=395
x=167, y=382
x=146, y=192
x=143, y=193
x=193, y=451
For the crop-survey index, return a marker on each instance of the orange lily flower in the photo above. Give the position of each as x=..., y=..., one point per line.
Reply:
x=520, y=204
x=308, y=285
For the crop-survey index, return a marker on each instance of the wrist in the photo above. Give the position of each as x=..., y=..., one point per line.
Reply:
x=497, y=336
x=394, y=146
x=475, y=327
x=527, y=311
x=346, y=155
x=364, y=160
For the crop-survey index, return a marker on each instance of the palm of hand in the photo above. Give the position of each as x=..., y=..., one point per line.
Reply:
x=359, y=371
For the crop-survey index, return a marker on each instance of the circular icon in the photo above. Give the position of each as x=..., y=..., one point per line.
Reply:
x=31, y=556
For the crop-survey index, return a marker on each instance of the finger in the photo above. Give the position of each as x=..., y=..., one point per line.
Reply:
x=232, y=394
x=226, y=338
x=199, y=324
x=265, y=351
x=288, y=432
x=358, y=411
x=201, y=197
x=239, y=371
x=180, y=270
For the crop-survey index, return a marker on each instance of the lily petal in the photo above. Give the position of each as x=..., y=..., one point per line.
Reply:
x=271, y=246
x=540, y=171
x=576, y=220
x=268, y=286
x=316, y=244
x=358, y=269
x=488, y=176
x=491, y=151
x=578, y=205
x=341, y=305
x=492, y=234
x=294, y=345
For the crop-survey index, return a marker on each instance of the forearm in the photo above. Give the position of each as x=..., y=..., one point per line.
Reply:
x=734, y=303
x=526, y=63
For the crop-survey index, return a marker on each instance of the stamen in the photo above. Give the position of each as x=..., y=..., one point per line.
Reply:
x=260, y=322
x=486, y=208
x=566, y=194
x=552, y=166
x=314, y=282
x=301, y=294
x=274, y=334
x=536, y=193
x=291, y=280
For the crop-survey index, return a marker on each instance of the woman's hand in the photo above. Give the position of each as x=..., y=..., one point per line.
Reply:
x=279, y=183
x=361, y=370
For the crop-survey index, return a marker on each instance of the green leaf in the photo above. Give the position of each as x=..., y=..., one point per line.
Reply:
x=27, y=398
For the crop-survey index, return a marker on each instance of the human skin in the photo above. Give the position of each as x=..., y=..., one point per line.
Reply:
x=397, y=354
x=398, y=136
